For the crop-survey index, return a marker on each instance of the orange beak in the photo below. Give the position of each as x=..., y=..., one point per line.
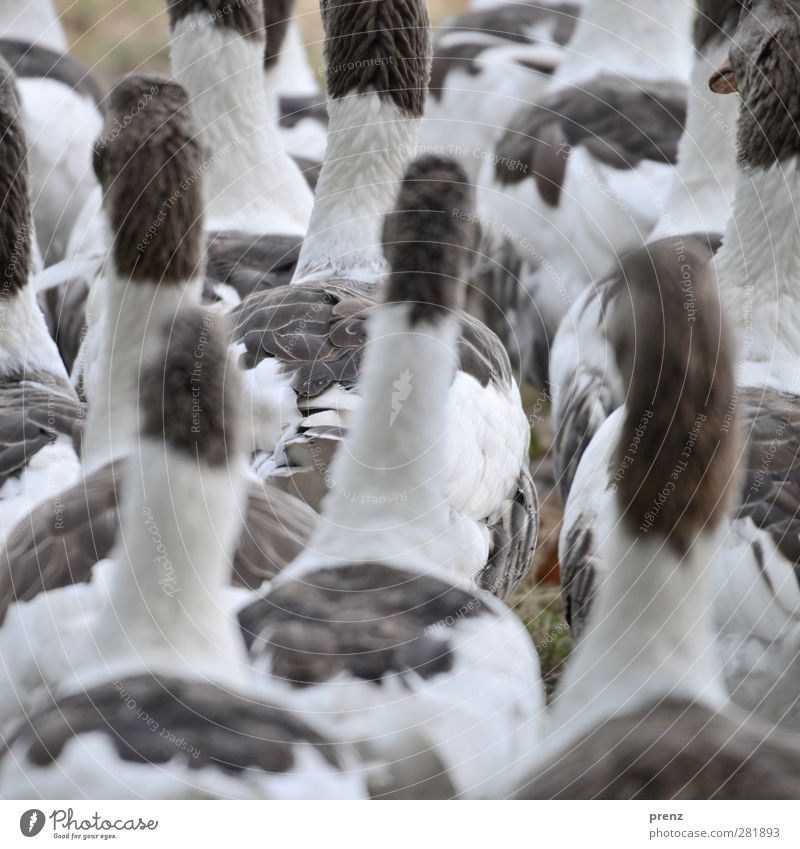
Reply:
x=724, y=80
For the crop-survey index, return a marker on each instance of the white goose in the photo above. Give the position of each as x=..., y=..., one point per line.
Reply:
x=302, y=343
x=39, y=411
x=252, y=185
x=61, y=117
x=575, y=178
x=303, y=119
x=35, y=21
x=640, y=712
x=257, y=203
x=486, y=64
x=146, y=172
x=437, y=683
x=585, y=384
x=757, y=600
x=157, y=700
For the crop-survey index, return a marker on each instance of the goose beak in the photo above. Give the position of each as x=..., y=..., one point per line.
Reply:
x=723, y=81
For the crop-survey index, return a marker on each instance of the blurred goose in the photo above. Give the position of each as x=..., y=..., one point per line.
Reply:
x=294, y=75
x=60, y=115
x=436, y=682
x=257, y=203
x=39, y=412
x=757, y=600
x=758, y=604
x=145, y=170
x=576, y=177
x=159, y=642
x=586, y=387
x=487, y=62
x=302, y=344
x=34, y=21
x=640, y=711
x=252, y=186
x=303, y=118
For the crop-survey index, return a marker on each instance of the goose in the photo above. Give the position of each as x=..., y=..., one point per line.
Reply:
x=257, y=202
x=301, y=344
x=641, y=711
x=303, y=119
x=435, y=681
x=35, y=22
x=583, y=167
x=485, y=63
x=61, y=103
x=757, y=596
x=161, y=703
x=294, y=75
x=584, y=383
x=253, y=188
x=145, y=169
x=39, y=412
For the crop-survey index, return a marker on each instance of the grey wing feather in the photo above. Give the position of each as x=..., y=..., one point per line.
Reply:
x=251, y=263
x=33, y=414
x=60, y=541
x=514, y=539
x=576, y=564
x=622, y=122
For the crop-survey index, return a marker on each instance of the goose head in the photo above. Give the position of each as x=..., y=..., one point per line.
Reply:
x=148, y=161
x=762, y=67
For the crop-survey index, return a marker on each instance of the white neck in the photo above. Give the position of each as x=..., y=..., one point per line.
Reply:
x=647, y=39
x=35, y=21
x=370, y=143
x=166, y=611
x=130, y=325
x=26, y=346
x=386, y=495
x=650, y=635
x=759, y=273
x=250, y=182
x=700, y=198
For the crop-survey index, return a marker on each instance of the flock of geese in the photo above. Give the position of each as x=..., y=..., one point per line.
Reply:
x=264, y=464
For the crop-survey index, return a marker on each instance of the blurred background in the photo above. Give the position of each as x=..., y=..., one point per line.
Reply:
x=116, y=36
